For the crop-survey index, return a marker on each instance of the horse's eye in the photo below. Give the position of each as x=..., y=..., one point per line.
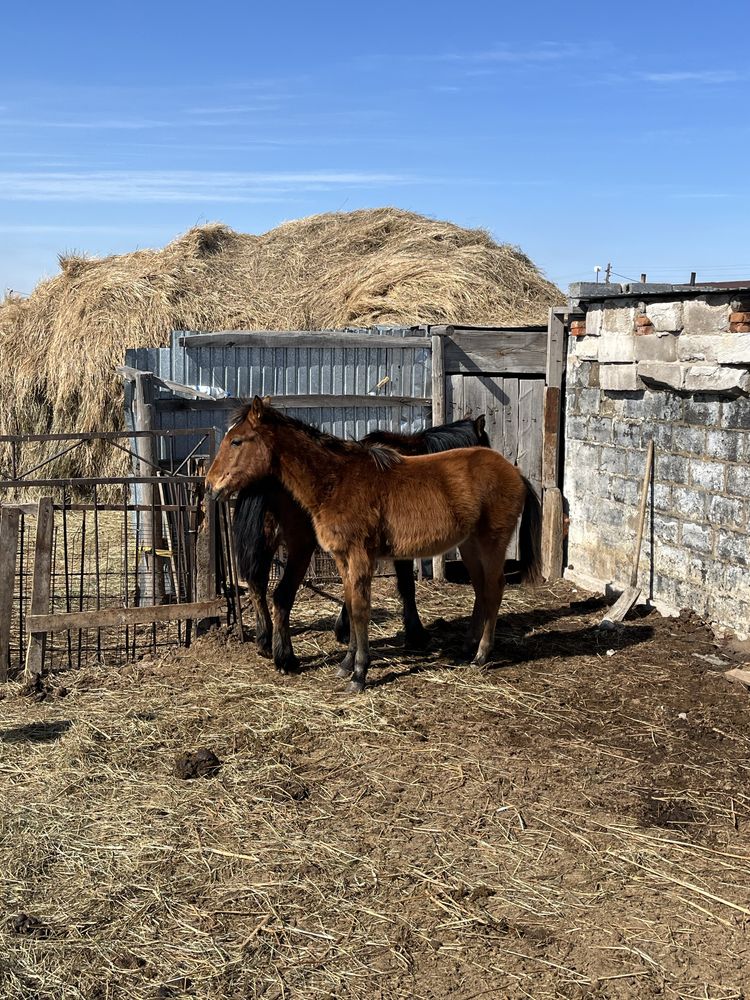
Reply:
x=236, y=443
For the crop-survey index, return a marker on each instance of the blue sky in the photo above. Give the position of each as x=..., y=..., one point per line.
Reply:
x=583, y=132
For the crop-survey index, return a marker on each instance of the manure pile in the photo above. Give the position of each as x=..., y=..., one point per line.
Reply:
x=59, y=345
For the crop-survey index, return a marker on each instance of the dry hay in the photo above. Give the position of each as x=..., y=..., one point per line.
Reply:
x=59, y=346
x=572, y=826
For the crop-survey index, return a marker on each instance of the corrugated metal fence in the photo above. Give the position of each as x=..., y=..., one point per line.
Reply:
x=372, y=381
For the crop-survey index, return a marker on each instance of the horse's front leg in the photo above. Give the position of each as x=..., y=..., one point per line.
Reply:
x=415, y=634
x=360, y=587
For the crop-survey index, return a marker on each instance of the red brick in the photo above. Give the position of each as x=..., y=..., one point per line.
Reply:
x=643, y=321
x=644, y=329
x=578, y=328
x=739, y=327
x=739, y=317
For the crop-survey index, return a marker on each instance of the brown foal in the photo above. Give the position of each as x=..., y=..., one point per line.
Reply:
x=367, y=503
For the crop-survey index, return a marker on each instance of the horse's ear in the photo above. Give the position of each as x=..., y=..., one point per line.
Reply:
x=479, y=425
x=266, y=400
x=257, y=407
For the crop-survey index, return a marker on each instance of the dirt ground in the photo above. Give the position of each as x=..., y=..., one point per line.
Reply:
x=571, y=822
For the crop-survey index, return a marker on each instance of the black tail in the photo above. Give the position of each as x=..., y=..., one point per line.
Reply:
x=253, y=555
x=530, y=537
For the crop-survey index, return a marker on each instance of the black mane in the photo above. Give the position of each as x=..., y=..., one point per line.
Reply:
x=459, y=434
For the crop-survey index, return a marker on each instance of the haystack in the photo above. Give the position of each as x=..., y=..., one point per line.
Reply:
x=59, y=346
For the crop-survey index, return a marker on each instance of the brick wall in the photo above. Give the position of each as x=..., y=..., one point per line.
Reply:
x=696, y=551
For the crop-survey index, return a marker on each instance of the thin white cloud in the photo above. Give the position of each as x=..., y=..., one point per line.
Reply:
x=694, y=76
x=541, y=53
x=183, y=186
x=89, y=123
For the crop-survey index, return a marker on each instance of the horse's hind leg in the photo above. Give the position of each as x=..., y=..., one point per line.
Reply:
x=493, y=564
x=415, y=634
x=472, y=560
x=299, y=552
x=257, y=590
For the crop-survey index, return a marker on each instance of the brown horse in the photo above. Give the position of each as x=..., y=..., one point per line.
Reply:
x=266, y=516
x=371, y=502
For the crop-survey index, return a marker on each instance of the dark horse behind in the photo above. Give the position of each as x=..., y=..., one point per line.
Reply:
x=267, y=516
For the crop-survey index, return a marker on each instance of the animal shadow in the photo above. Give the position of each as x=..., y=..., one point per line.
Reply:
x=36, y=732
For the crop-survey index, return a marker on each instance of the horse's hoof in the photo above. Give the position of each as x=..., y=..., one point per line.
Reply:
x=288, y=666
x=355, y=687
x=479, y=660
x=343, y=672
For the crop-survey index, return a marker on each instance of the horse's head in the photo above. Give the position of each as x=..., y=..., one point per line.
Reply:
x=245, y=454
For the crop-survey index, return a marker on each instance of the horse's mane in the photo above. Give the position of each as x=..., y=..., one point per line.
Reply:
x=383, y=456
x=459, y=434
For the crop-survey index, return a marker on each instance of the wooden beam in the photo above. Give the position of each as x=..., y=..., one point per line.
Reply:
x=117, y=617
x=555, y=349
x=551, y=436
x=438, y=379
x=503, y=352
x=552, y=534
x=150, y=566
x=205, y=554
x=9, y=518
x=438, y=417
x=297, y=402
x=321, y=339
x=40, y=588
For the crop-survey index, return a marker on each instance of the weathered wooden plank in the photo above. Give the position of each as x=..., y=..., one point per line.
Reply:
x=9, y=518
x=326, y=339
x=510, y=420
x=496, y=352
x=552, y=534
x=150, y=568
x=438, y=381
x=535, y=440
x=40, y=587
x=551, y=436
x=438, y=417
x=205, y=554
x=555, y=349
x=297, y=402
x=117, y=617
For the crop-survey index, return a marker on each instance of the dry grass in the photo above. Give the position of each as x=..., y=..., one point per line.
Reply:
x=60, y=345
x=551, y=829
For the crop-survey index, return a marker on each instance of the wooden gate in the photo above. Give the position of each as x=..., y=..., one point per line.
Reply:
x=514, y=376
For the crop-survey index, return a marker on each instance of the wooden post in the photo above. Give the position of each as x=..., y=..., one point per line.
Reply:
x=8, y=545
x=150, y=567
x=40, y=587
x=438, y=417
x=552, y=499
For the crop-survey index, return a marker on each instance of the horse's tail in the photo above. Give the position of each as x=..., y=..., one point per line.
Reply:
x=251, y=545
x=530, y=537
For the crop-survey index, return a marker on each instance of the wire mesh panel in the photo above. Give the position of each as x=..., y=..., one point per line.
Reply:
x=108, y=554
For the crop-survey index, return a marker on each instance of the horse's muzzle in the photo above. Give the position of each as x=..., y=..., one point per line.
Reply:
x=213, y=494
